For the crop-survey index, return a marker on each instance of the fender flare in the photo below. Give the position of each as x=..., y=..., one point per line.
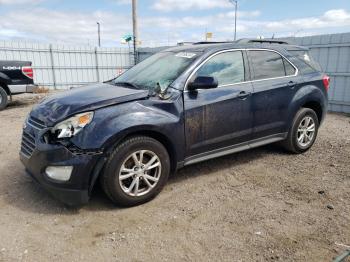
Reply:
x=146, y=130
x=4, y=82
x=112, y=143
x=5, y=79
x=305, y=95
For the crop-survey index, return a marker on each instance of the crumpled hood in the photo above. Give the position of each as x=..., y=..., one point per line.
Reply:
x=60, y=106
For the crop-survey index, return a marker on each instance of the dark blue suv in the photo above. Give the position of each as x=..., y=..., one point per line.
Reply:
x=178, y=107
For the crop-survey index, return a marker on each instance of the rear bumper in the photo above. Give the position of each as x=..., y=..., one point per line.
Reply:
x=19, y=89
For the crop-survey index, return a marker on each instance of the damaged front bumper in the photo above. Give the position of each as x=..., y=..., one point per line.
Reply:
x=37, y=155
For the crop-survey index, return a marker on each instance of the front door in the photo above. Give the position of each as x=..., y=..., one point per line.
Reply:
x=219, y=117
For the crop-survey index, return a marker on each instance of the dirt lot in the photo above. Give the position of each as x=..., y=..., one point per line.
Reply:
x=259, y=205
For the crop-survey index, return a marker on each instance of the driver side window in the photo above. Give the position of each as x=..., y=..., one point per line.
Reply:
x=226, y=67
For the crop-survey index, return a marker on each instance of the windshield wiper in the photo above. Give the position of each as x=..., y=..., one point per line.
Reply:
x=128, y=84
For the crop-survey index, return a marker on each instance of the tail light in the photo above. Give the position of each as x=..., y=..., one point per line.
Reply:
x=27, y=71
x=326, y=82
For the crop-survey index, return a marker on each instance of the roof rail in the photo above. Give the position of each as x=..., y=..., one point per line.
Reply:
x=184, y=43
x=263, y=41
x=212, y=42
x=240, y=41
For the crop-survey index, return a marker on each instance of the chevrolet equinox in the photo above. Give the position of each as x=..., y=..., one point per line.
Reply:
x=178, y=107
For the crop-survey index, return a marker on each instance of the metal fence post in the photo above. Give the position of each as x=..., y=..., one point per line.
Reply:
x=52, y=67
x=97, y=69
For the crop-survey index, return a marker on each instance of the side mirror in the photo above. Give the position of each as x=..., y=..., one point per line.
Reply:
x=203, y=82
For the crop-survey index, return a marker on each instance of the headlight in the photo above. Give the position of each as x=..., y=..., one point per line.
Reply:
x=72, y=125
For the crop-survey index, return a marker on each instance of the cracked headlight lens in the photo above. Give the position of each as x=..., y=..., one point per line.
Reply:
x=73, y=125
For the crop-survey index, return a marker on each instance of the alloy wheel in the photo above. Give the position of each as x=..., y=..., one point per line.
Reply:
x=306, y=131
x=140, y=173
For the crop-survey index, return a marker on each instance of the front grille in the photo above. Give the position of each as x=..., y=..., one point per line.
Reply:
x=28, y=144
x=37, y=123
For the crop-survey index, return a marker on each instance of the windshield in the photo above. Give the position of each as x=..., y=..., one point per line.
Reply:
x=157, y=71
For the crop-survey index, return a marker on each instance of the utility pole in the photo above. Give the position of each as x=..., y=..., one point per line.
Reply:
x=235, y=2
x=134, y=28
x=98, y=34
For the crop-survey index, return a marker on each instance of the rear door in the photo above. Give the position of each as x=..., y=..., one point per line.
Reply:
x=275, y=82
x=219, y=117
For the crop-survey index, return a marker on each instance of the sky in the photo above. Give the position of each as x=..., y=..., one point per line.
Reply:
x=166, y=22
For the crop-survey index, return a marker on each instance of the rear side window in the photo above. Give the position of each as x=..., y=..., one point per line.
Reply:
x=307, y=59
x=227, y=68
x=268, y=64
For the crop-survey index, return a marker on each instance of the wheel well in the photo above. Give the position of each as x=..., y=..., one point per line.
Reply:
x=5, y=87
x=164, y=141
x=153, y=134
x=316, y=107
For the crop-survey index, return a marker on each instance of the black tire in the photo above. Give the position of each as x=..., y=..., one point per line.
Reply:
x=291, y=143
x=3, y=98
x=110, y=177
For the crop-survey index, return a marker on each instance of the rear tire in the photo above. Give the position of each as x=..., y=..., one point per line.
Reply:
x=3, y=98
x=303, y=132
x=136, y=171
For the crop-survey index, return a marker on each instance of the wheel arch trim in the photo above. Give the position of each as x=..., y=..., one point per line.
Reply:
x=150, y=131
x=308, y=96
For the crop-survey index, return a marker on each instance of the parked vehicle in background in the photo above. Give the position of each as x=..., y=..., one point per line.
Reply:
x=16, y=77
x=181, y=106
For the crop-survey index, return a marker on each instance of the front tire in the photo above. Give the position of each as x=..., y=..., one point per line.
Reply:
x=3, y=98
x=136, y=171
x=303, y=131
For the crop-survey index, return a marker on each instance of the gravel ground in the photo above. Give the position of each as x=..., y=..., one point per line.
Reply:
x=258, y=205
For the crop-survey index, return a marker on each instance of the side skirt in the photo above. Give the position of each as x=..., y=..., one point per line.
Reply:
x=234, y=149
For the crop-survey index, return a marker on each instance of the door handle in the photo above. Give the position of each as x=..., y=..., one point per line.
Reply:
x=292, y=84
x=243, y=95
